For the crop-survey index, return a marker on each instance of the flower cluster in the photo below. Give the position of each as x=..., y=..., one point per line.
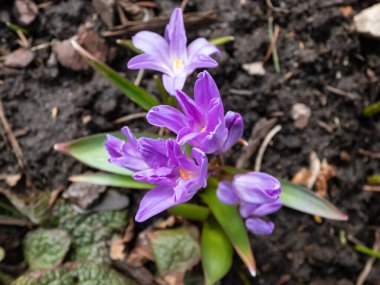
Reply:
x=200, y=122
x=257, y=195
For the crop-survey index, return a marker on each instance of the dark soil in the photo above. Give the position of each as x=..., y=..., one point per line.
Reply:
x=317, y=47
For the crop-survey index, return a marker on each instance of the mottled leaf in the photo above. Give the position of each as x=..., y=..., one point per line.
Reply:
x=89, y=232
x=46, y=248
x=216, y=252
x=75, y=274
x=34, y=205
x=175, y=251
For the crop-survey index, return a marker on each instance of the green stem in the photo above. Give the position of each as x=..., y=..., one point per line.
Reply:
x=367, y=251
x=276, y=61
x=372, y=109
x=222, y=40
x=190, y=211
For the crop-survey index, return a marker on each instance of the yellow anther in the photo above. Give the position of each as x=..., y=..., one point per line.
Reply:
x=184, y=174
x=203, y=130
x=177, y=63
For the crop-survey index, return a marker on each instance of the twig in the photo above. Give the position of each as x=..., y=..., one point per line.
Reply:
x=259, y=130
x=184, y=4
x=23, y=40
x=158, y=23
x=8, y=134
x=10, y=221
x=369, y=153
x=129, y=118
x=371, y=188
x=272, y=45
x=264, y=145
x=340, y=92
x=139, y=77
x=369, y=264
x=241, y=92
x=276, y=61
x=276, y=9
x=41, y=46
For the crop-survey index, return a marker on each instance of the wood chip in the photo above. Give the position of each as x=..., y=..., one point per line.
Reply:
x=300, y=113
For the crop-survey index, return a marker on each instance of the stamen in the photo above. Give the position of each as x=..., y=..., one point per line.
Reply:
x=203, y=130
x=184, y=174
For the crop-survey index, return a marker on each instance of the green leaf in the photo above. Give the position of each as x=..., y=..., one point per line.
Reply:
x=44, y=249
x=91, y=151
x=34, y=205
x=129, y=45
x=216, y=252
x=299, y=198
x=109, y=179
x=75, y=274
x=368, y=251
x=372, y=109
x=233, y=225
x=133, y=92
x=175, y=250
x=222, y=40
x=190, y=211
x=2, y=254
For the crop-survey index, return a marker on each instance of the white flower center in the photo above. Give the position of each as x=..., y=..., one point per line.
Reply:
x=178, y=66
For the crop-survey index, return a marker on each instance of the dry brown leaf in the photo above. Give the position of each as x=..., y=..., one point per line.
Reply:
x=27, y=11
x=19, y=58
x=117, y=249
x=165, y=223
x=346, y=10
x=90, y=40
x=307, y=177
x=301, y=115
x=326, y=173
x=12, y=180
x=302, y=177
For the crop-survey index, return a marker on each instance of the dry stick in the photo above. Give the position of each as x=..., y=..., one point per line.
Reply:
x=158, y=23
x=264, y=145
x=368, y=153
x=340, y=92
x=8, y=134
x=371, y=188
x=276, y=32
x=276, y=61
x=139, y=77
x=129, y=118
x=369, y=264
x=259, y=131
x=184, y=4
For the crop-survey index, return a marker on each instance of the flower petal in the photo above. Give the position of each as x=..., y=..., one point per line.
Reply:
x=201, y=46
x=155, y=201
x=259, y=226
x=172, y=84
x=162, y=176
x=152, y=44
x=205, y=90
x=124, y=154
x=154, y=152
x=257, y=187
x=175, y=34
x=190, y=109
x=147, y=61
x=202, y=161
x=226, y=193
x=235, y=125
x=266, y=209
x=215, y=114
x=167, y=116
x=200, y=61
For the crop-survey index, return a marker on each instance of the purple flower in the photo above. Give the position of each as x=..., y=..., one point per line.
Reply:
x=177, y=176
x=257, y=194
x=202, y=122
x=170, y=55
x=125, y=153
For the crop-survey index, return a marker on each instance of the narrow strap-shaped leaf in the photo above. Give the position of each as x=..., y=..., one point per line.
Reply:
x=110, y=179
x=301, y=199
x=233, y=225
x=190, y=211
x=216, y=251
x=133, y=92
x=91, y=151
